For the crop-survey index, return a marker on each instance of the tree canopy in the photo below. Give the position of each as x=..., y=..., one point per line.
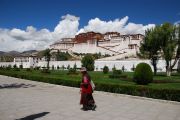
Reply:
x=162, y=41
x=88, y=62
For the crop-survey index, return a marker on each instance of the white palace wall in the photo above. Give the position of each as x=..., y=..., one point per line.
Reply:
x=128, y=64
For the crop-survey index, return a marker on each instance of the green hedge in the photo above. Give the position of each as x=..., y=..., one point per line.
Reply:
x=137, y=90
x=118, y=76
x=45, y=79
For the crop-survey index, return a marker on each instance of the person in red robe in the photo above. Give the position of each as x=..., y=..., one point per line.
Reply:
x=86, y=91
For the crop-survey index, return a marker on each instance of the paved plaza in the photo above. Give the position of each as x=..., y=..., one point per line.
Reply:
x=28, y=100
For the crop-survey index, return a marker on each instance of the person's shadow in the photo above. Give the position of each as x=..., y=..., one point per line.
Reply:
x=34, y=116
x=16, y=85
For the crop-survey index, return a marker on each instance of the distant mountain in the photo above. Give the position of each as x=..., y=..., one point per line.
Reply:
x=16, y=53
x=29, y=52
x=1, y=53
x=13, y=53
x=9, y=56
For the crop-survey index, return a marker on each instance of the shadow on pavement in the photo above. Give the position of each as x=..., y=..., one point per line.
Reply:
x=34, y=116
x=16, y=85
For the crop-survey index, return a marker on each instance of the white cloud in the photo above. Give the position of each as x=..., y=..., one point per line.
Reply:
x=67, y=27
x=118, y=25
x=98, y=25
x=31, y=38
x=132, y=28
x=21, y=40
x=177, y=22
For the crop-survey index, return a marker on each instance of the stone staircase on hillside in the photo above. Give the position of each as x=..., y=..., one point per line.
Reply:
x=118, y=57
x=73, y=55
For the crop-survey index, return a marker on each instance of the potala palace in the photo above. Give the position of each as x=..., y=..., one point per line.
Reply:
x=112, y=43
x=117, y=46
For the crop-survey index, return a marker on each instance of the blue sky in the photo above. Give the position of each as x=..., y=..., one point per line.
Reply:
x=47, y=13
x=36, y=24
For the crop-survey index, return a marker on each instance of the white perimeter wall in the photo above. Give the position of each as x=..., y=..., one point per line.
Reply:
x=128, y=64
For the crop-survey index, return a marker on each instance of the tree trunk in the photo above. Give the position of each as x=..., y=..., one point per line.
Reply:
x=168, y=68
x=168, y=71
x=155, y=70
x=154, y=63
x=48, y=64
x=178, y=67
x=174, y=63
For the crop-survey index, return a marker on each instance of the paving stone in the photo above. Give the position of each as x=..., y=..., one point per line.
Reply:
x=23, y=98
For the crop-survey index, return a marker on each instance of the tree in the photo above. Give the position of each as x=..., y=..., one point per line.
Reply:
x=123, y=68
x=114, y=68
x=63, y=67
x=177, y=58
x=178, y=67
x=170, y=45
x=21, y=66
x=133, y=68
x=88, y=62
x=151, y=46
x=61, y=56
x=47, y=56
x=14, y=66
x=164, y=39
x=68, y=67
x=75, y=67
x=58, y=67
x=58, y=55
x=52, y=67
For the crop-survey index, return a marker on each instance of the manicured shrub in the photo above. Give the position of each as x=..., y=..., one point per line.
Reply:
x=14, y=66
x=117, y=72
x=143, y=74
x=133, y=68
x=52, y=67
x=105, y=69
x=37, y=68
x=8, y=67
x=28, y=69
x=63, y=67
x=58, y=67
x=123, y=68
x=68, y=67
x=45, y=70
x=72, y=71
x=16, y=69
x=117, y=76
x=21, y=66
x=114, y=68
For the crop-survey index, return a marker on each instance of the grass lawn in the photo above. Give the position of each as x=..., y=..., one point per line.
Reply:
x=100, y=77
